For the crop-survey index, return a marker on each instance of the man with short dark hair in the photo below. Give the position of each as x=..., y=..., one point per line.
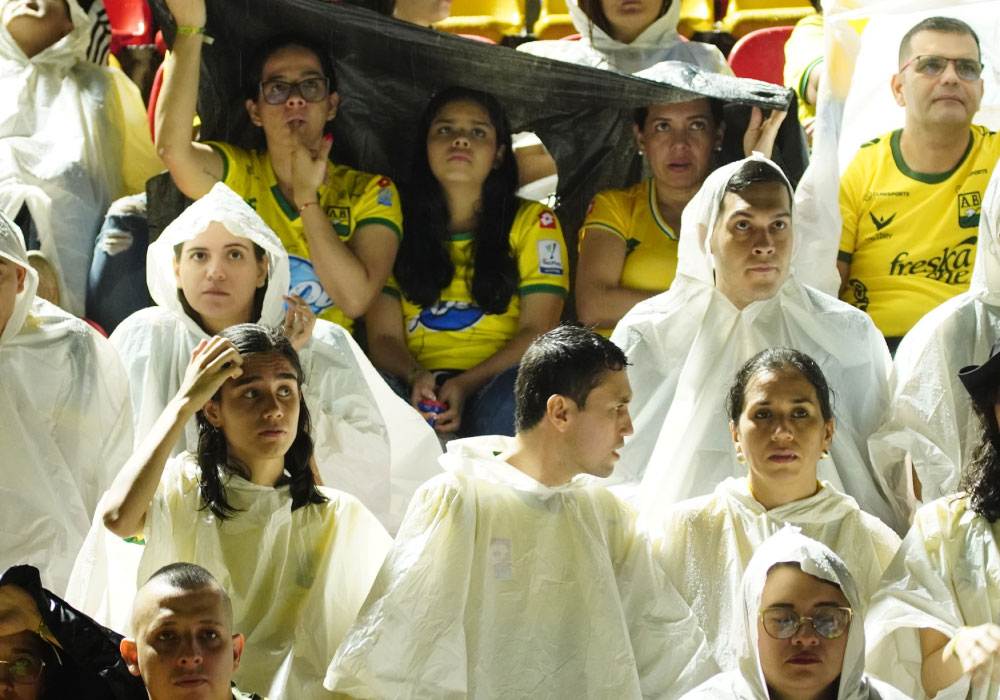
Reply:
x=516, y=574
x=910, y=199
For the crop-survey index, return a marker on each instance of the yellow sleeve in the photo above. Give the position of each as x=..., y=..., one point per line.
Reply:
x=607, y=213
x=392, y=288
x=803, y=53
x=139, y=159
x=379, y=204
x=538, y=244
x=851, y=186
x=235, y=173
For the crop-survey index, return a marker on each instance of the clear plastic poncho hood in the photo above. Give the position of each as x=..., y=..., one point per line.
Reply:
x=686, y=345
x=12, y=248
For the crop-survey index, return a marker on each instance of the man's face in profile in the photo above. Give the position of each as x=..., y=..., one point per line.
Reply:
x=184, y=646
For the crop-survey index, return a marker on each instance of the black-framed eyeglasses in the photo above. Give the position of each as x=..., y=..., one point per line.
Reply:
x=24, y=669
x=276, y=92
x=968, y=69
x=829, y=622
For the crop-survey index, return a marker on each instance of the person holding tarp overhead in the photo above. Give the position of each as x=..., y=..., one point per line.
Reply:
x=736, y=294
x=73, y=136
x=65, y=420
x=932, y=420
x=516, y=574
x=341, y=227
x=298, y=559
x=782, y=420
x=803, y=629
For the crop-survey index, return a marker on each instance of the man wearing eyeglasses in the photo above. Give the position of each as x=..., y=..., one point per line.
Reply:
x=910, y=199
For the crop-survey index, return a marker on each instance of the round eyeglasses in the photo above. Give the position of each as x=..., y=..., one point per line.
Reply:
x=828, y=622
x=968, y=69
x=23, y=669
x=276, y=92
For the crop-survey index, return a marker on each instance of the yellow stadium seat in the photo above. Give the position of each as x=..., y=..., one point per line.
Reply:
x=492, y=19
x=745, y=16
x=554, y=21
x=696, y=16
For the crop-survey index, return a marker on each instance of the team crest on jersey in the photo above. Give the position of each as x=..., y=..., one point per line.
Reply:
x=384, y=182
x=447, y=316
x=340, y=219
x=546, y=219
x=550, y=260
x=969, y=205
x=305, y=283
x=384, y=197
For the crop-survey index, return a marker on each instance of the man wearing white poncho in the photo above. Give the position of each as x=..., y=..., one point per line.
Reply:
x=516, y=574
x=685, y=345
x=757, y=675
x=65, y=421
x=931, y=419
x=73, y=136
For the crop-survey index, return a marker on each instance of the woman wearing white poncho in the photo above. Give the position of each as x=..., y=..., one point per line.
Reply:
x=782, y=422
x=73, y=135
x=296, y=559
x=686, y=344
x=931, y=417
x=803, y=588
x=352, y=442
x=934, y=625
x=65, y=421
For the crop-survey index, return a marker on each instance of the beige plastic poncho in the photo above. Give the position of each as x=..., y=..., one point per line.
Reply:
x=499, y=587
x=932, y=417
x=65, y=128
x=943, y=577
x=704, y=545
x=65, y=426
x=686, y=345
x=747, y=683
x=296, y=578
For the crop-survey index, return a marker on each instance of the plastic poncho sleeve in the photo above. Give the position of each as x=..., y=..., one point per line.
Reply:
x=409, y=638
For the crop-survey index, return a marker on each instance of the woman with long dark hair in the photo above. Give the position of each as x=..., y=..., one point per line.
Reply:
x=247, y=508
x=479, y=274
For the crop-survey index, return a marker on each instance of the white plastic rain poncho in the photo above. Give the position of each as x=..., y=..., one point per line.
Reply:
x=65, y=426
x=64, y=132
x=296, y=578
x=943, y=577
x=705, y=543
x=658, y=42
x=500, y=587
x=816, y=559
x=350, y=431
x=686, y=345
x=932, y=417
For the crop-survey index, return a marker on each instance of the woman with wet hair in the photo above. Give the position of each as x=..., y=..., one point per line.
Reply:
x=246, y=507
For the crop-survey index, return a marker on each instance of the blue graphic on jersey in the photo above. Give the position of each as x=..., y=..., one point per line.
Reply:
x=305, y=283
x=447, y=316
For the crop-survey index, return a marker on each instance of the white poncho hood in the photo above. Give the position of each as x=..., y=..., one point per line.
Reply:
x=686, y=345
x=65, y=426
x=658, y=42
x=790, y=546
x=932, y=417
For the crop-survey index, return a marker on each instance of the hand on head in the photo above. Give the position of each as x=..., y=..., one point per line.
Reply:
x=213, y=361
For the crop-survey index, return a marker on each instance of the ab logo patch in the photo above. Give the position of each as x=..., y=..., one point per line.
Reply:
x=550, y=257
x=969, y=204
x=340, y=219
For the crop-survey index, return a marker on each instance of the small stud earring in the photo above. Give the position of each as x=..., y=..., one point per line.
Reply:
x=825, y=455
x=740, y=458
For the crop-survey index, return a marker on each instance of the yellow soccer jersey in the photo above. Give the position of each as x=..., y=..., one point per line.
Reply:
x=650, y=243
x=803, y=55
x=910, y=237
x=350, y=199
x=457, y=334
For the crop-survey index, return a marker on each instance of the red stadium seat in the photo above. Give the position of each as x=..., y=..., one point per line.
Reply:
x=131, y=23
x=154, y=95
x=761, y=55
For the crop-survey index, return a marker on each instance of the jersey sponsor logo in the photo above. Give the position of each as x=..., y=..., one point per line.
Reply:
x=305, y=283
x=981, y=171
x=969, y=206
x=550, y=257
x=340, y=219
x=447, y=316
x=952, y=266
x=888, y=193
x=546, y=219
x=881, y=223
x=858, y=294
x=384, y=197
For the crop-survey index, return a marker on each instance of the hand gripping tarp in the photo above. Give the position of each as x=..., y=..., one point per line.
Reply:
x=388, y=69
x=932, y=418
x=686, y=345
x=65, y=426
x=501, y=587
x=816, y=559
x=705, y=543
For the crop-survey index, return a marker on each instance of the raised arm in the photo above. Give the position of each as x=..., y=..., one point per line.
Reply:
x=194, y=167
x=973, y=650
x=212, y=363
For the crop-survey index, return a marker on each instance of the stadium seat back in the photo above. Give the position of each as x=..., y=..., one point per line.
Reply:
x=554, y=21
x=745, y=16
x=492, y=19
x=131, y=23
x=761, y=55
